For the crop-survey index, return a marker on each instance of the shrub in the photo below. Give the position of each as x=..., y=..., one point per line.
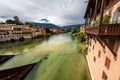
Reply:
x=21, y=39
x=12, y=40
x=96, y=21
x=74, y=30
x=81, y=37
x=106, y=18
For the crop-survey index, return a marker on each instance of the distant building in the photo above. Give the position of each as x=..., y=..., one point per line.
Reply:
x=12, y=31
x=57, y=30
x=54, y=30
x=26, y=32
x=42, y=31
x=9, y=31
x=104, y=39
x=82, y=28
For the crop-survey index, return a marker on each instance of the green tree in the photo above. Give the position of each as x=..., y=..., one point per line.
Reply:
x=10, y=21
x=30, y=24
x=12, y=40
x=27, y=23
x=106, y=18
x=21, y=39
x=15, y=21
x=74, y=30
x=16, y=18
x=81, y=37
x=47, y=30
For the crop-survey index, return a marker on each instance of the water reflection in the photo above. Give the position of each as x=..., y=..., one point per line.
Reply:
x=9, y=48
x=56, y=44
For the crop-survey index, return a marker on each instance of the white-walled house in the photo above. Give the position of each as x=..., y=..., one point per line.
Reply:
x=13, y=31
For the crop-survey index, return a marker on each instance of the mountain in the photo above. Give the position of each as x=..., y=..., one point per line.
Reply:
x=48, y=25
x=69, y=27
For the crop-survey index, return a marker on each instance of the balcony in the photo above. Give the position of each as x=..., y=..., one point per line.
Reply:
x=104, y=29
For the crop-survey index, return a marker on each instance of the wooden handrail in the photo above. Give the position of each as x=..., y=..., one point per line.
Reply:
x=105, y=29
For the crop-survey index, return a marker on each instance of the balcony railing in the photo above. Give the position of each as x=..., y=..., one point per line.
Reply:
x=105, y=29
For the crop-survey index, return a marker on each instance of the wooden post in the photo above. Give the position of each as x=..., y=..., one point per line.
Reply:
x=102, y=11
x=95, y=13
x=90, y=15
x=101, y=14
x=87, y=20
x=85, y=23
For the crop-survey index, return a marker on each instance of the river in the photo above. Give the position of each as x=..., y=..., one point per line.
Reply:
x=64, y=61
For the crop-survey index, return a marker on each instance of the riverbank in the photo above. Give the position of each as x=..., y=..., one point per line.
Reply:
x=82, y=46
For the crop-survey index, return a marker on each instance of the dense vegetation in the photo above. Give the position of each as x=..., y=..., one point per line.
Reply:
x=81, y=38
x=15, y=20
x=76, y=34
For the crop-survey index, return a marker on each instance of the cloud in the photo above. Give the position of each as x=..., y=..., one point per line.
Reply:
x=44, y=20
x=60, y=12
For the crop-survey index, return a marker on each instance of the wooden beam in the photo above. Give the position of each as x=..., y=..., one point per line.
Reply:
x=87, y=19
x=85, y=23
x=95, y=13
x=102, y=11
x=90, y=15
x=101, y=14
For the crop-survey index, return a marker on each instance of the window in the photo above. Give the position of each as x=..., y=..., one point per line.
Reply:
x=93, y=47
x=94, y=59
x=104, y=76
x=99, y=53
x=107, y=62
x=116, y=16
x=90, y=43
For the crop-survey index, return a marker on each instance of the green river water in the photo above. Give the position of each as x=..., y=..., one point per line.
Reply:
x=64, y=61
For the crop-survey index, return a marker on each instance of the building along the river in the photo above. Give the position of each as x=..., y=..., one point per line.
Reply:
x=82, y=28
x=13, y=31
x=103, y=30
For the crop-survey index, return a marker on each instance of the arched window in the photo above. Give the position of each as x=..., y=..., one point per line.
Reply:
x=116, y=16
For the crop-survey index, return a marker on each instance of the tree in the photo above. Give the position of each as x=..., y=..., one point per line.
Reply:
x=47, y=30
x=10, y=21
x=81, y=37
x=74, y=30
x=12, y=40
x=30, y=24
x=16, y=20
x=27, y=23
x=21, y=39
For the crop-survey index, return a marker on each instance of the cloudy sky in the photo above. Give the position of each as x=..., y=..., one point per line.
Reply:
x=59, y=12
